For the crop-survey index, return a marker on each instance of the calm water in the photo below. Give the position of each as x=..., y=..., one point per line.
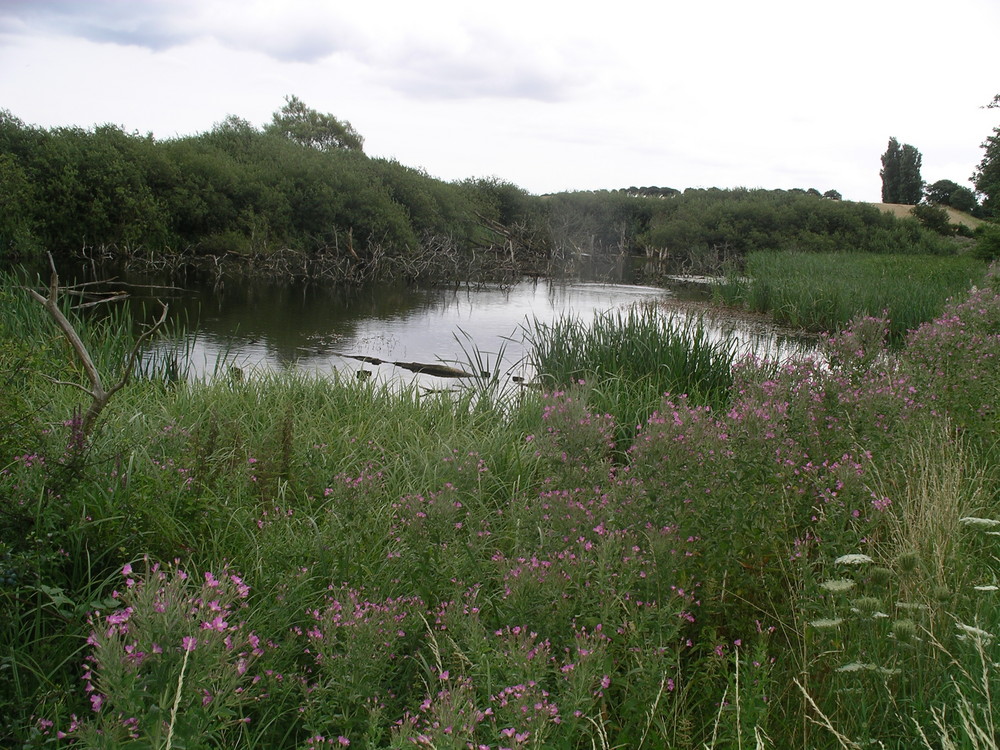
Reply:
x=258, y=326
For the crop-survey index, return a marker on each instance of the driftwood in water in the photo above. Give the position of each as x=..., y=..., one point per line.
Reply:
x=425, y=368
x=361, y=358
x=441, y=371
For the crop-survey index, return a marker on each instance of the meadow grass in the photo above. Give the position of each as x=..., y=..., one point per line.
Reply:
x=826, y=291
x=800, y=555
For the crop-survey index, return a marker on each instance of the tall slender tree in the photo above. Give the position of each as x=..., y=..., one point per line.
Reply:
x=901, y=181
x=911, y=185
x=890, y=172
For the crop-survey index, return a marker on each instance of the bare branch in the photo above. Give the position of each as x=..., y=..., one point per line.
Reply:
x=134, y=354
x=54, y=381
x=51, y=304
x=98, y=394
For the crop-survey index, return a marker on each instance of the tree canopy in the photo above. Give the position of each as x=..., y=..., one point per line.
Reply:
x=987, y=175
x=307, y=127
x=245, y=191
x=950, y=193
x=901, y=181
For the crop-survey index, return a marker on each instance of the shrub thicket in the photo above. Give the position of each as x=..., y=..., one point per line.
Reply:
x=240, y=189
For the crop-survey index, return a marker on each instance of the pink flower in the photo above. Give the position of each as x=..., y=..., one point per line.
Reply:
x=216, y=623
x=189, y=643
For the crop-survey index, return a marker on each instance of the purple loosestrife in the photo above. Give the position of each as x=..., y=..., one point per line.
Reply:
x=172, y=638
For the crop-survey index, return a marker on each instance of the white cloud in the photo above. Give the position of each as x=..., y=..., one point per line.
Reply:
x=549, y=95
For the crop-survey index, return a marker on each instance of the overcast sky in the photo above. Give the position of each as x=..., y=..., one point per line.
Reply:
x=547, y=94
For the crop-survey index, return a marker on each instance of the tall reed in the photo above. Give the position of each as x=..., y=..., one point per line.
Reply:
x=631, y=357
x=826, y=291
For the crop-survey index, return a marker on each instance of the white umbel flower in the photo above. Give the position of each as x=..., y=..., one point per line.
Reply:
x=837, y=585
x=827, y=623
x=858, y=666
x=855, y=559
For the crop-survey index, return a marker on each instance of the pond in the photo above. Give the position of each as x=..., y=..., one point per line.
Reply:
x=382, y=332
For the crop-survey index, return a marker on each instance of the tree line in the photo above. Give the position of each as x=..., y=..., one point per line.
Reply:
x=303, y=184
x=902, y=182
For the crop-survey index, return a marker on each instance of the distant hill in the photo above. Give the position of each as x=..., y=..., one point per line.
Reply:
x=955, y=217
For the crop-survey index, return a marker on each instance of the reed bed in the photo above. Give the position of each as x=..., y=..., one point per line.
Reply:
x=631, y=357
x=824, y=292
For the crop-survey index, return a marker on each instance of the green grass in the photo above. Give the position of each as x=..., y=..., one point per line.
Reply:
x=629, y=358
x=466, y=568
x=826, y=291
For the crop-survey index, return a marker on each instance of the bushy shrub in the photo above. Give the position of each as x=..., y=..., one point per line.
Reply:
x=987, y=242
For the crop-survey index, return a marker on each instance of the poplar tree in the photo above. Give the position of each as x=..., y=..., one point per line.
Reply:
x=890, y=172
x=901, y=181
x=911, y=185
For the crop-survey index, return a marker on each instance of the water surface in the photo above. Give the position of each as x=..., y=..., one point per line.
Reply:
x=261, y=326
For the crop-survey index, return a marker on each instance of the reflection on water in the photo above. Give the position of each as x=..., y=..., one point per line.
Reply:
x=259, y=326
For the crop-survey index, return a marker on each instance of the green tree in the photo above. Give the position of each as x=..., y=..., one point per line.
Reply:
x=306, y=126
x=890, y=172
x=933, y=217
x=16, y=203
x=901, y=181
x=963, y=199
x=987, y=175
x=950, y=193
x=911, y=186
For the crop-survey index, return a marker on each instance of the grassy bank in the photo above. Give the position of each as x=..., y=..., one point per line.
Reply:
x=826, y=291
x=800, y=556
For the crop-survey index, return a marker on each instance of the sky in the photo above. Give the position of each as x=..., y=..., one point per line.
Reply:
x=547, y=94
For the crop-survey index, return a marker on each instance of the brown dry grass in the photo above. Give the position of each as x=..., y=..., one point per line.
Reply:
x=955, y=217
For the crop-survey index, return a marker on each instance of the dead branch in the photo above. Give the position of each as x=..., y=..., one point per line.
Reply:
x=99, y=395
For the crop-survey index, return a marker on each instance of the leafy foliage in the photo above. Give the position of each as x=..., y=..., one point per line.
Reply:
x=901, y=182
x=987, y=174
x=987, y=242
x=934, y=218
x=302, y=185
x=307, y=127
x=738, y=222
x=950, y=193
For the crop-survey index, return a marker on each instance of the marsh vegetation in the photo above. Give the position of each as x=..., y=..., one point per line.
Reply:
x=666, y=546
x=658, y=540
